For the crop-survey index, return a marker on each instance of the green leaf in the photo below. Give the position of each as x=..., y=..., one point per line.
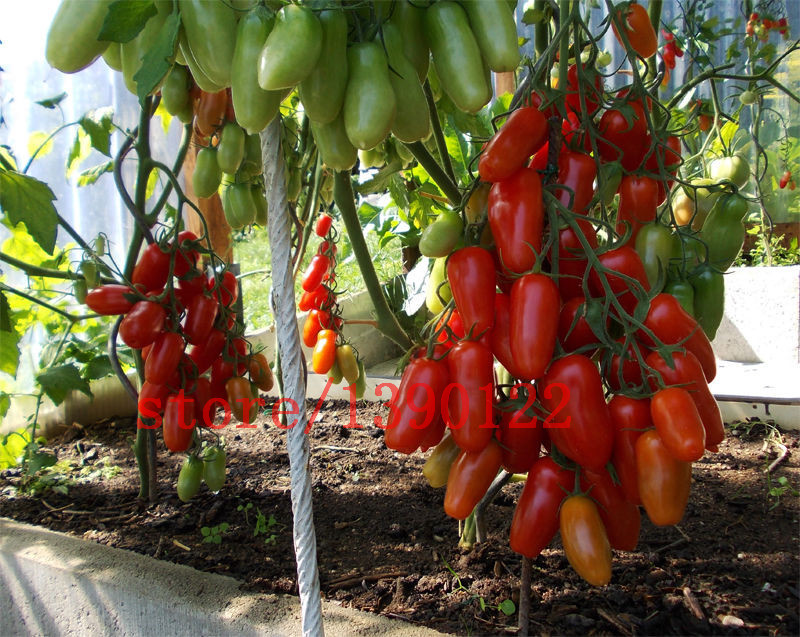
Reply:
x=5, y=403
x=9, y=353
x=52, y=102
x=482, y=603
x=157, y=62
x=91, y=175
x=39, y=460
x=57, y=382
x=35, y=141
x=125, y=19
x=6, y=321
x=12, y=447
x=98, y=367
x=27, y=200
x=98, y=126
x=507, y=607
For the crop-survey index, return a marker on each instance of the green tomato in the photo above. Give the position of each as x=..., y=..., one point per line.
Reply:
x=292, y=48
x=747, y=97
x=214, y=468
x=210, y=29
x=175, y=93
x=252, y=164
x=724, y=231
x=656, y=245
x=709, y=298
x=260, y=201
x=230, y=150
x=439, y=292
x=322, y=92
x=207, y=174
x=361, y=381
x=440, y=238
x=704, y=199
x=239, y=207
x=408, y=17
x=189, y=478
x=370, y=104
x=334, y=146
x=734, y=169
x=113, y=56
x=72, y=42
x=496, y=32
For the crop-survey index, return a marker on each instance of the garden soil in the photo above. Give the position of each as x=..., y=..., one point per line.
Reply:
x=386, y=546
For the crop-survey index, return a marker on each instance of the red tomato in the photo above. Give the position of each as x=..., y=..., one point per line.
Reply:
x=454, y=331
x=185, y=257
x=193, y=282
x=535, y=519
x=142, y=324
x=151, y=403
x=591, y=95
x=201, y=312
x=210, y=112
x=152, y=269
x=678, y=423
x=110, y=299
x=573, y=394
x=470, y=477
x=324, y=354
x=572, y=259
x=631, y=418
x=672, y=325
x=638, y=202
x=164, y=358
x=522, y=134
x=467, y=401
x=620, y=517
x=664, y=482
x=519, y=436
x=203, y=355
x=201, y=399
x=323, y=225
x=534, y=308
x=317, y=299
x=228, y=290
x=315, y=321
x=685, y=370
x=317, y=268
x=417, y=406
x=574, y=331
x=242, y=398
x=623, y=140
x=179, y=422
x=626, y=369
x=622, y=261
x=516, y=216
x=471, y=274
x=638, y=29
x=500, y=337
x=577, y=172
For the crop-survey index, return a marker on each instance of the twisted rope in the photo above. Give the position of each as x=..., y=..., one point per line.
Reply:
x=283, y=307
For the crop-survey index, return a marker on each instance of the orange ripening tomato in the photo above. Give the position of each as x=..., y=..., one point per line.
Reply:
x=470, y=477
x=260, y=372
x=324, y=355
x=621, y=518
x=678, y=423
x=585, y=541
x=639, y=30
x=664, y=481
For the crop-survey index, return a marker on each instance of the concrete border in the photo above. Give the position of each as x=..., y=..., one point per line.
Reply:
x=55, y=584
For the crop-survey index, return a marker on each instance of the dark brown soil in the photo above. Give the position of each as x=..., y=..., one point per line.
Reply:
x=386, y=546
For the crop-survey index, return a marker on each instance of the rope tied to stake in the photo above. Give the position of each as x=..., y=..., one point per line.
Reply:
x=292, y=372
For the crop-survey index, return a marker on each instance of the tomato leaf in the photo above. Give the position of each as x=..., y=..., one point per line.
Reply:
x=507, y=607
x=5, y=403
x=91, y=175
x=125, y=19
x=9, y=352
x=98, y=126
x=51, y=102
x=57, y=382
x=27, y=200
x=157, y=61
x=6, y=322
x=98, y=367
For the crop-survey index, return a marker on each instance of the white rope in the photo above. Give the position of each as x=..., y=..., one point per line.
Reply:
x=292, y=371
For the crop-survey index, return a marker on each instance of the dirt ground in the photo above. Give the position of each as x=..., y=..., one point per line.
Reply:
x=386, y=546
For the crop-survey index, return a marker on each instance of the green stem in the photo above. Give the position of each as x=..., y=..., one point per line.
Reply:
x=654, y=11
x=563, y=45
x=438, y=135
x=345, y=201
x=72, y=318
x=426, y=160
x=176, y=169
x=35, y=270
x=541, y=30
x=313, y=197
x=469, y=532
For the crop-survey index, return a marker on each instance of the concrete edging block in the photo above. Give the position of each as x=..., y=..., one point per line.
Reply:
x=56, y=584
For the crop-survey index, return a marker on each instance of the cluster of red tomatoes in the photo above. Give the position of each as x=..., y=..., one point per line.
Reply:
x=596, y=366
x=163, y=316
x=786, y=180
x=760, y=27
x=321, y=330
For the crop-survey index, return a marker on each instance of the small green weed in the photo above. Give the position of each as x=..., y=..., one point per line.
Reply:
x=777, y=491
x=266, y=526
x=213, y=534
x=507, y=607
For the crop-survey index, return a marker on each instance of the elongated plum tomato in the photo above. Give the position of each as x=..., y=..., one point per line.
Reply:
x=324, y=354
x=109, y=299
x=522, y=134
x=572, y=260
x=621, y=518
x=620, y=261
x=631, y=418
x=466, y=401
x=664, y=481
x=417, y=406
x=678, y=423
x=638, y=29
x=576, y=172
x=142, y=324
x=516, y=216
x=584, y=539
x=437, y=466
x=535, y=519
x=179, y=422
x=580, y=425
x=469, y=478
x=471, y=274
x=152, y=269
x=500, y=337
x=638, y=202
x=534, y=307
x=520, y=436
x=164, y=358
